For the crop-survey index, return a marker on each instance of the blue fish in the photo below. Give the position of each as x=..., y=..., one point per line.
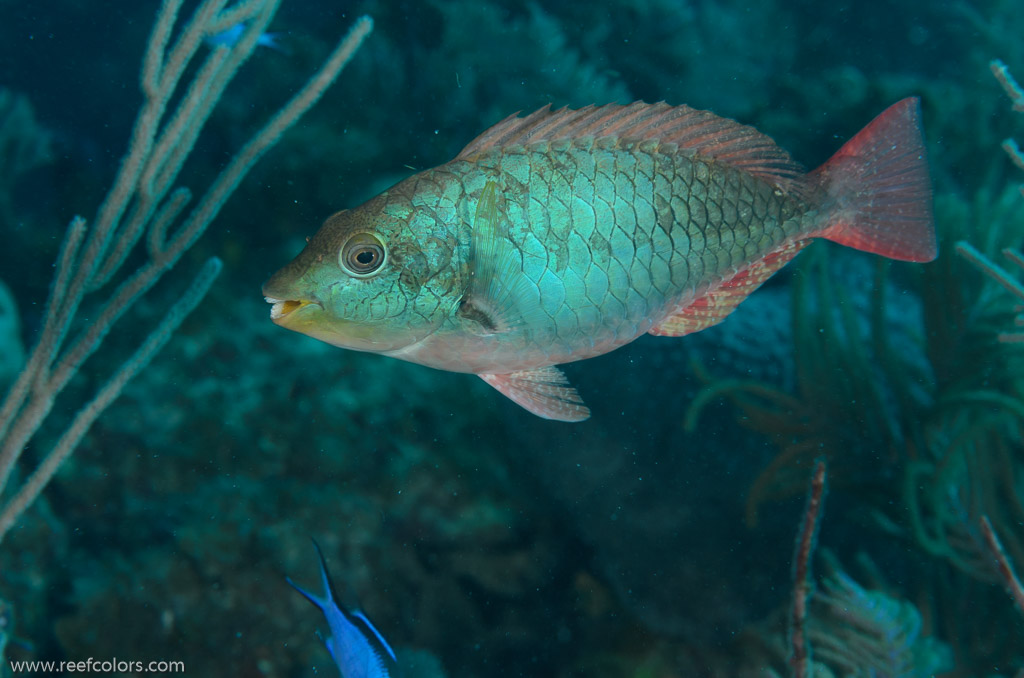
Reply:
x=355, y=645
x=230, y=36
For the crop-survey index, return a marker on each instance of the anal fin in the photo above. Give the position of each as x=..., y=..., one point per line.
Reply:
x=716, y=305
x=544, y=391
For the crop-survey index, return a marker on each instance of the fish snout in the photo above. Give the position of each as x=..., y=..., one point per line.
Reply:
x=283, y=296
x=283, y=307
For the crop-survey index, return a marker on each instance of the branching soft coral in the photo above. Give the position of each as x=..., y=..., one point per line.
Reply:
x=858, y=632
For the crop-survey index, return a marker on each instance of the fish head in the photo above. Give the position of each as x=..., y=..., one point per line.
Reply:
x=369, y=280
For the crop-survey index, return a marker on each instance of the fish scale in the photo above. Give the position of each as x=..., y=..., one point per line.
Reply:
x=565, y=234
x=650, y=262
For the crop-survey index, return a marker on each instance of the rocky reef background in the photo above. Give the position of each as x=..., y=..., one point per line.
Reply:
x=486, y=541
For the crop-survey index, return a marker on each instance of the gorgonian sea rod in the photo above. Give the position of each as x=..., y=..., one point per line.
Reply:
x=567, y=234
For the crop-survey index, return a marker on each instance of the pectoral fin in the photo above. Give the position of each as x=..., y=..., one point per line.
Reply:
x=712, y=308
x=499, y=296
x=544, y=391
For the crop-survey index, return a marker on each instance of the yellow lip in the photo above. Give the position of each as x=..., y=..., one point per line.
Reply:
x=285, y=307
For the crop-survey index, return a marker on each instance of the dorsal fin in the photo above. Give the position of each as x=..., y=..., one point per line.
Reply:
x=707, y=134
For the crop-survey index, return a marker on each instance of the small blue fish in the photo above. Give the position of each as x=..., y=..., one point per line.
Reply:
x=355, y=645
x=230, y=36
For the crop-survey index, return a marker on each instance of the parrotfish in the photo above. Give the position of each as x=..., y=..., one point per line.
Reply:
x=357, y=647
x=566, y=234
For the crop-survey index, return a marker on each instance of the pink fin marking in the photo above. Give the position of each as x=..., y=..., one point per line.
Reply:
x=714, y=306
x=879, y=195
x=703, y=132
x=544, y=391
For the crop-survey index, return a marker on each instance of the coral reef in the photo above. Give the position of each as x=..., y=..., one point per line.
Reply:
x=436, y=545
x=482, y=543
x=861, y=633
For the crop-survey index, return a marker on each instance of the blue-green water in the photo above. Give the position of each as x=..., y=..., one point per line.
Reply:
x=655, y=539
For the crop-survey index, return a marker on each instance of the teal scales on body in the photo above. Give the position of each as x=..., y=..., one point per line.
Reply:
x=564, y=235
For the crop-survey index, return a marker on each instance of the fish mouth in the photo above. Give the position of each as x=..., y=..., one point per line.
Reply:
x=282, y=308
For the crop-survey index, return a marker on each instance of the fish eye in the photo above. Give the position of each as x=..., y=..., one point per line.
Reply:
x=362, y=255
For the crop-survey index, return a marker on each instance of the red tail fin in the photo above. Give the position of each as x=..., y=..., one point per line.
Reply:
x=879, y=193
